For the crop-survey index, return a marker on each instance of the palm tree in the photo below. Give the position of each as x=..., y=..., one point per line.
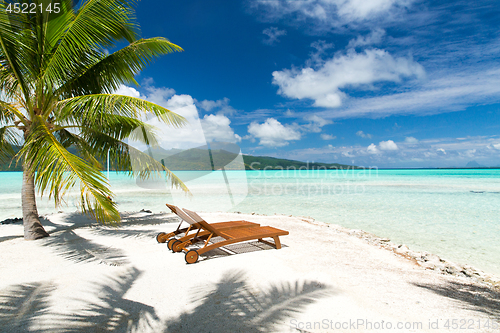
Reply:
x=57, y=80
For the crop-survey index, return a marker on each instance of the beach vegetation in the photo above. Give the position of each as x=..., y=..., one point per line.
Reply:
x=58, y=76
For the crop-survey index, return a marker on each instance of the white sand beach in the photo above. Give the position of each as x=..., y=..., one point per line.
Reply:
x=91, y=278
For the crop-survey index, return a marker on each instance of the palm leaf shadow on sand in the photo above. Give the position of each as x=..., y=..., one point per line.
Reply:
x=234, y=306
x=76, y=220
x=475, y=297
x=22, y=305
x=73, y=247
x=7, y=238
x=149, y=219
x=112, y=312
x=231, y=305
x=69, y=224
x=121, y=233
x=130, y=220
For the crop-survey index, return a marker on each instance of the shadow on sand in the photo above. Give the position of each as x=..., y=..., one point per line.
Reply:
x=475, y=297
x=73, y=247
x=6, y=238
x=68, y=244
x=22, y=307
x=230, y=305
x=112, y=312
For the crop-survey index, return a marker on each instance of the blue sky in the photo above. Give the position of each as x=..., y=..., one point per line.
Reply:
x=387, y=83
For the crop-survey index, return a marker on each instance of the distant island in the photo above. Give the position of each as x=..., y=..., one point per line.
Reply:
x=263, y=162
x=216, y=159
x=197, y=159
x=203, y=159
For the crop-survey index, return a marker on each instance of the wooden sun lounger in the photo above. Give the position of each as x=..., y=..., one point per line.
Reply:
x=193, y=225
x=230, y=236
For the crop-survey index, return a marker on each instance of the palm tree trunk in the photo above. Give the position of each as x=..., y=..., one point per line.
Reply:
x=33, y=229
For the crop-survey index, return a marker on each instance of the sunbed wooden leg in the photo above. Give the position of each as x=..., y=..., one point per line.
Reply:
x=277, y=242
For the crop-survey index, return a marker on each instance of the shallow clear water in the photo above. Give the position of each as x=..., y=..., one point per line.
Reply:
x=453, y=213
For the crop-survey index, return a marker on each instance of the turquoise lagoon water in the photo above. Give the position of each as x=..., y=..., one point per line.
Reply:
x=453, y=213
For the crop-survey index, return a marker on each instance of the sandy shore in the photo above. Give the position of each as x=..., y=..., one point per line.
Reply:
x=91, y=278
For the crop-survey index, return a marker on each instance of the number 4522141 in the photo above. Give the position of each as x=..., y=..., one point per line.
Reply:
x=33, y=8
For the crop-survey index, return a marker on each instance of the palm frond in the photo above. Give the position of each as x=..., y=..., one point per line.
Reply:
x=96, y=139
x=108, y=73
x=8, y=82
x=93, y=144
x=10, y=113
x=55, y=75
x=89, y=110
x=14, y=52
x=5, y=114
x=57, y=170
x=97, y=24
x=7, y=140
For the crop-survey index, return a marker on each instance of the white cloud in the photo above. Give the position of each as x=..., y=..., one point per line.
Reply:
x=222, y=105
x=159, y=96
x=363, y=134
x=372, y=149
x=315, y=123
x=273, y=34
x=471, y=152
x=438, y=152
x=188, y=136
x=447, y=93
x=410, y=140
x=375, y=37
x=127, y=91
x=327, y=137
x=212, y=127
x=327, y=14
x=388, y=145
x=354, y=10
x=216, y=128
x=209, y=105
x=351, y=70
x=272, y=133
x=316, y=57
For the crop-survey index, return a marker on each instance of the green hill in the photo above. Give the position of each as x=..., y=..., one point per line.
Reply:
x=262, y=162
x=215, y=159
x=202, y=159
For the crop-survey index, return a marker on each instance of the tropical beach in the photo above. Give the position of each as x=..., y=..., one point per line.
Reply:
x=334, y=166
x=451, y=213
x=325, y=278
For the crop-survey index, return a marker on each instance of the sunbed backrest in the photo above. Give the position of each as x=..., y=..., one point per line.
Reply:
x=201, y=221
x=194, y=216
x=179, y=212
